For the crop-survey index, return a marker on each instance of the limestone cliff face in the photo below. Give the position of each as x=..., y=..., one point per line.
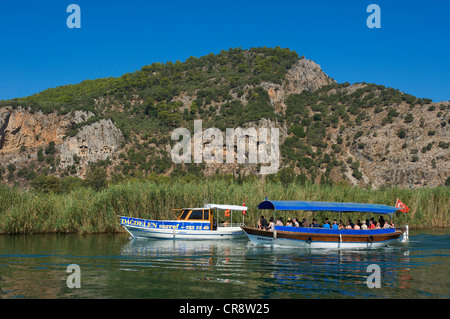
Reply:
x=305, y=75
x=23, y=133
x=93, y=143
x=19, y=128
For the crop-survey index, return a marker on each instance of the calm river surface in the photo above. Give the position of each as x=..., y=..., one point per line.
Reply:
x=114, y=266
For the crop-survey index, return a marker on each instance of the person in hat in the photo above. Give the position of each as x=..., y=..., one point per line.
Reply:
x=364, y=226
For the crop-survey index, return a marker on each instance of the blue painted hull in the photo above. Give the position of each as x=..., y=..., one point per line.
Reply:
x=173, y=229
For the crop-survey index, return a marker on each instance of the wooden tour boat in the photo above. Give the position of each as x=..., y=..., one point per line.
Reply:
x=317, y=237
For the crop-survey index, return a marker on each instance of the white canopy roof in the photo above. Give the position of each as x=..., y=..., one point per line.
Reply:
x=231, y=207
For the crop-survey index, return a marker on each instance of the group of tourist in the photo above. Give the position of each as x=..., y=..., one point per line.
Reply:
x=294, y=222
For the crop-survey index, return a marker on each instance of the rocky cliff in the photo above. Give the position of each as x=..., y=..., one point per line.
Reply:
x=25, y=135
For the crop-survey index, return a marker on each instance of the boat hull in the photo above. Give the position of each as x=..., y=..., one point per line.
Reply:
x=220, y=233
x=323, y=238
x=174, y=229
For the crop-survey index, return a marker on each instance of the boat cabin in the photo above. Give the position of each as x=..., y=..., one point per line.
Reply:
x=197, y=214
x=206, y=214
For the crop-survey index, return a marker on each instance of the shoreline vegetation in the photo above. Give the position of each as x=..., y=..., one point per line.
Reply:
x=86, y=210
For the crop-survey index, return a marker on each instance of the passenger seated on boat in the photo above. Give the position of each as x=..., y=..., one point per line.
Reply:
x=295, y=222
x=356, y=227
x=349, y=226
x=262, y=223
x=377, y=225
x=341, y=225
x=289, y=223
x=326, y=225
x=314, y=223
x=371, y=225
x=271, y=224
x=305, y=223
x=363, y=226
x=391, y=224
x=279, y=221
x=214, y=224
x=381, y=221
x=335, y=225
x=386, y=225
x=349, y=222
x=358, y=222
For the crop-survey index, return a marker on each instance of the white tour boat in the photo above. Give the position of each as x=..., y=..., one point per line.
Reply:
x=192, y=223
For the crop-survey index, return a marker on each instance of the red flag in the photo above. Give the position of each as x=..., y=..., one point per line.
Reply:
x=244, y=212
x=403, y=207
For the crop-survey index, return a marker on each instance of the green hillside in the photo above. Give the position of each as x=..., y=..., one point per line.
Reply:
x=224, y=90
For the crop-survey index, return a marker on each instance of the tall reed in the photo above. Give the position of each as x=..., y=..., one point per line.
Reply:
x=85, y=210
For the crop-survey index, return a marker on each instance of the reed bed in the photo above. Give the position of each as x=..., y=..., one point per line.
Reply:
x=85, y=210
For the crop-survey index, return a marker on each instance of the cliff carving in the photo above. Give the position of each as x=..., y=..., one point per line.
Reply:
x=94, y=142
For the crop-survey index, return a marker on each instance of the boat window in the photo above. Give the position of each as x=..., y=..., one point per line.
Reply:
x=206, y=214
x=196, y=214
x=183, y=214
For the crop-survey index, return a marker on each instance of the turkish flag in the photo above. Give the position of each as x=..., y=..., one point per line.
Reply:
x=403, y=207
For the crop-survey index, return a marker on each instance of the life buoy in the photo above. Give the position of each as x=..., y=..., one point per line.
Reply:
x=308, y=240
x=370, y=239
x=227, y=213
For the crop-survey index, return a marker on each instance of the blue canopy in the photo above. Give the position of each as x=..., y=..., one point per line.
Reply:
x=327, y=206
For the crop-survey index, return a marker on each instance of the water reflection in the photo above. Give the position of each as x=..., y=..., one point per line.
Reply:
x=273, y=272
x=117, y=267
x=179, y=254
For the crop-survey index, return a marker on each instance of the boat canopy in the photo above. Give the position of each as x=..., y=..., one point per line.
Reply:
x=327, y=206
x=230, y=207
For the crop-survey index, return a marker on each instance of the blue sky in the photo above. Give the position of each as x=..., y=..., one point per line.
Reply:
x=409, y=52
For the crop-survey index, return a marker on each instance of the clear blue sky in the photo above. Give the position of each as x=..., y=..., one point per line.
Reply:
x=410, y=52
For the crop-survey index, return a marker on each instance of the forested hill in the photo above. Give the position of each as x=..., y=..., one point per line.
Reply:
x=365, y=134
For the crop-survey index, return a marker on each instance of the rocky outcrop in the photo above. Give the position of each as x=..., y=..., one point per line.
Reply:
x=92, y=143
x=304, y=75
x=20, y=128
x=23, y=134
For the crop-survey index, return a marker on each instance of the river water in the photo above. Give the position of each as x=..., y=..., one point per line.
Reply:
x=115, y=266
